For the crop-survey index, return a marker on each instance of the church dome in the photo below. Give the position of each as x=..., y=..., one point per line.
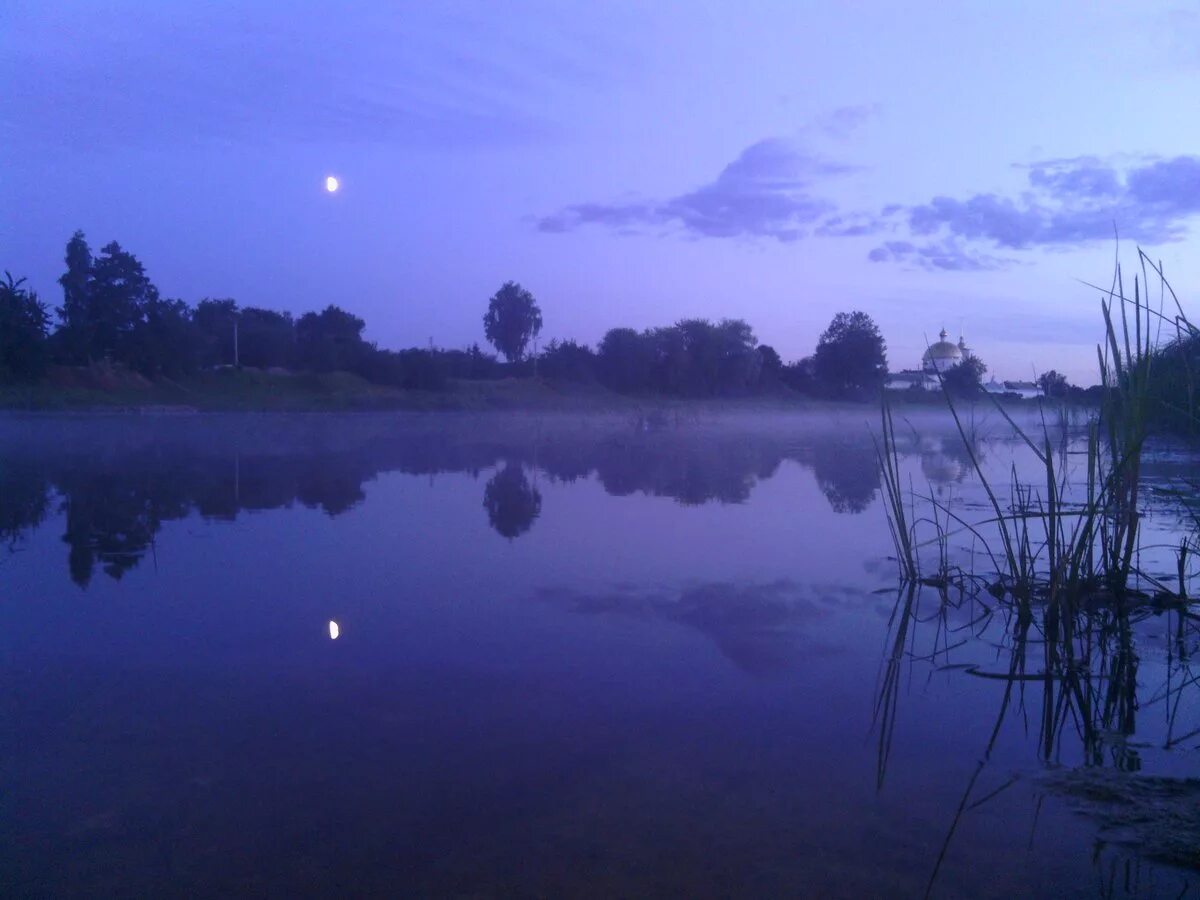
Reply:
x=942, y=355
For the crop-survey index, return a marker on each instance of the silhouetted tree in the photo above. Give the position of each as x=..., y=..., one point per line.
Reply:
x=693, y=357
x=720, y=358
x=330, y=340
x=801, y=376
x=965, y=379
x=215, y=322
x=480, y=364
x=511, y=320
x=164, y=340
x=266, y=339
x=851, y=357
x=111, y=310
x=74, y=336
x=670, y=363
x=568, y=361
x=512, y=503
x=119, y=295
x=770, y=366
x=1053, y=384
x=23, y=324
x=413, y=369
x=471, y=363
x=626, y=360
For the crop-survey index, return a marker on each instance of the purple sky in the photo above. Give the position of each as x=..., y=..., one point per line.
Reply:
x=631, y=164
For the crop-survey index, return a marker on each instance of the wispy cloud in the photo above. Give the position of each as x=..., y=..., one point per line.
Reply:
x=132, y=74
x=844, y=121
x=850, y=225
x=947, y=255
x=768, y=191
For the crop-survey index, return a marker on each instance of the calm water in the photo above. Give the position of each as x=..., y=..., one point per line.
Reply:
x=575, y=657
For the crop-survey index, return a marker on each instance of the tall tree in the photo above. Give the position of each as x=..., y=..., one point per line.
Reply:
x=512, y=319
x=119, y=296
x=851, y=357
x=74, y=337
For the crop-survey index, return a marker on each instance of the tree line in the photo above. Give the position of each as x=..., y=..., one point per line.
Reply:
x=113, y=314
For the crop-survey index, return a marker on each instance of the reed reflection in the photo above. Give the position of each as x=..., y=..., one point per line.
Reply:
x=1077, y=686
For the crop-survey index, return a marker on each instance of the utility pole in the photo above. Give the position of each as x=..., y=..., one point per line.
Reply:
x=236, y=362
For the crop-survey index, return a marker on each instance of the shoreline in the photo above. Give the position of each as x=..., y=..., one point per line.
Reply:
x=338, y=392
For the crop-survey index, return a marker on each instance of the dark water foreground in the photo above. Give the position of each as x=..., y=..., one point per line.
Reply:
x=575, y=657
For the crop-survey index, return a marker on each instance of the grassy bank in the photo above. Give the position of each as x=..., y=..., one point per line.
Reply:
x=254, y=390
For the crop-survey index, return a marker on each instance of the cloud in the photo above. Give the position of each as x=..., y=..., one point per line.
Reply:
x=763, y=629
x=765, y=192
x=1170, y=186
x=845, y=120
x=130, y=74
x=1068, y=203
x=947, y=255
x=1083, y=176
x=850, y=225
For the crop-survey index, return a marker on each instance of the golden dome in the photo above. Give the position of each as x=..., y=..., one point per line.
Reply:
x=942, y=354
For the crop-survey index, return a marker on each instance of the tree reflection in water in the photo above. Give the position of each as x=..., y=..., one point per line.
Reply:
x=512, y=503
x=116, y=485
x=847, y=474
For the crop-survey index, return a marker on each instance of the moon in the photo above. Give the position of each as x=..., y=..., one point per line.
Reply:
x=331, y=184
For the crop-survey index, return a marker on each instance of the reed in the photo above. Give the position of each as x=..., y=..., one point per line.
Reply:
x=1064, y=549
x=888, y=459
x=1063, y=541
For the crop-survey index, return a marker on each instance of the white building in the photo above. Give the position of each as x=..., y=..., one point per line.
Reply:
x=1026, y=390
x=937, y=359
x=944, y=355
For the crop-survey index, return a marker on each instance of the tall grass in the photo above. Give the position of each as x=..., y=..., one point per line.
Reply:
x=1064, y=553
x=893, y=493
x=1047, y=541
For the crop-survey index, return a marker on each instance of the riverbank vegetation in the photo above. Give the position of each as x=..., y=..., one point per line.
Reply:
x=115, y=340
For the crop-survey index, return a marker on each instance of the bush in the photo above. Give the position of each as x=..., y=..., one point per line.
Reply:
x=568, y=361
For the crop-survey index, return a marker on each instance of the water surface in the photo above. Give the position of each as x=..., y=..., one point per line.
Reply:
x=576, y=656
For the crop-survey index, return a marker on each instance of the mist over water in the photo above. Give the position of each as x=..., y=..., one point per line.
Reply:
x=574, y=655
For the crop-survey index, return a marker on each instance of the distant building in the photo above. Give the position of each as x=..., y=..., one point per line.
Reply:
x=943, y=356
x=937, y=359
x=1026, y=390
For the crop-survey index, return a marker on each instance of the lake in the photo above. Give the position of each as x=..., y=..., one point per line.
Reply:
x=512, y=655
